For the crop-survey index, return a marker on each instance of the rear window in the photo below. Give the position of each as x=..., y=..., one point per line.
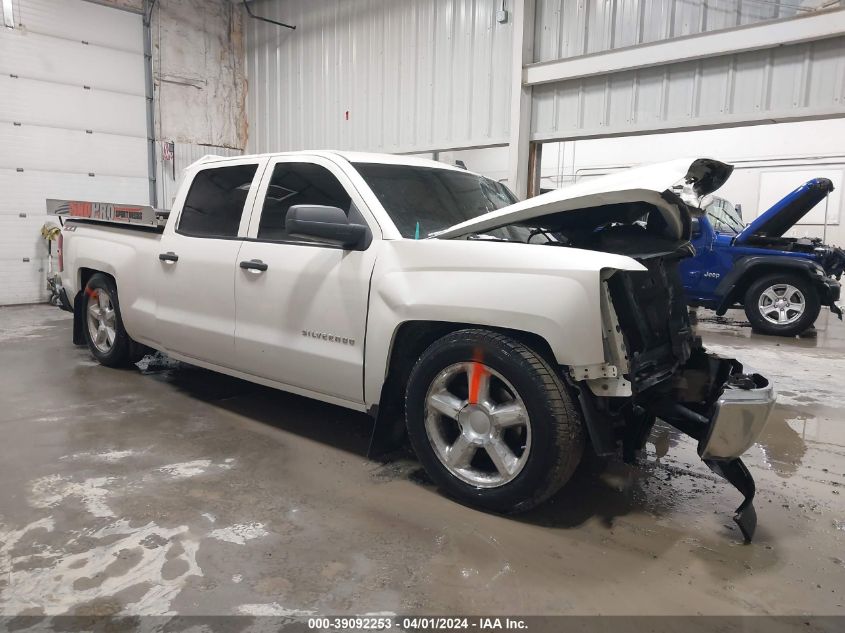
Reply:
x=215, y=201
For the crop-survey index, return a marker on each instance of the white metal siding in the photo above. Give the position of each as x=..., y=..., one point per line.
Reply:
x=426, y=75
x=413, y=76
x=785, y=83
x=72, y=124
x=569, y=28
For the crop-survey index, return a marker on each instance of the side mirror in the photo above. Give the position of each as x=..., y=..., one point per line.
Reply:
x=329, y=225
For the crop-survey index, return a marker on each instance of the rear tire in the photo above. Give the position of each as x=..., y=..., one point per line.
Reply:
x=505, y=440
x=781, y=304
x=102, y=325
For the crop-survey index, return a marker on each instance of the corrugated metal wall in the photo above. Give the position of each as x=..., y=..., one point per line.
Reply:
x=784, y=83
x=378, y=75
x=569, y=28
x=424, y=75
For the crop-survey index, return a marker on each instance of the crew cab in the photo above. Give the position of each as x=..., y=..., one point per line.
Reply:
x=497, y=335
x=781, y=282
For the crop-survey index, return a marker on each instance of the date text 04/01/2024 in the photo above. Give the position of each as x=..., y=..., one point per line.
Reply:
x=422, y=623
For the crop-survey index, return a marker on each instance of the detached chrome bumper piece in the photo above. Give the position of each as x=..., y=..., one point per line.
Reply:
x=726, y=411
x=739, y=417
x=737, y=422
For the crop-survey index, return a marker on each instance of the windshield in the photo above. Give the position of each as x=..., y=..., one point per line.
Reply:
x=423, y=200
x=724, y=217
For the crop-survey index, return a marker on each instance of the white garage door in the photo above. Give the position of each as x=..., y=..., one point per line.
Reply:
x=72, y=123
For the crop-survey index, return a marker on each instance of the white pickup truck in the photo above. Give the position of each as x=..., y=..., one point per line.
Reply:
x=498, y=334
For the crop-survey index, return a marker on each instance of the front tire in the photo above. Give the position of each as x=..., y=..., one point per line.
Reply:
x=782, y=304
x=105, y=335
x=491, y=421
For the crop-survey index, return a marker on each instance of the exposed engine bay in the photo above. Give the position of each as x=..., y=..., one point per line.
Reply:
x=832, y=258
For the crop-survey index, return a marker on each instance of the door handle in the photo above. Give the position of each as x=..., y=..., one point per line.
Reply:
x=169, y=257
x=254, y=265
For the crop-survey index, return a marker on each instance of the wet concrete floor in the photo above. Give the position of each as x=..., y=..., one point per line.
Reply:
x=176, y=490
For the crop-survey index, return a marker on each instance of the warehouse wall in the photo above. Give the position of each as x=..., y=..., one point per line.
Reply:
x=425, y=75
x=568, y=28
x=198, y=65
x=73, y=111
x=787, y=82
x=199, y=83
x=378, y=75
x=778, y=84
x=72, y=125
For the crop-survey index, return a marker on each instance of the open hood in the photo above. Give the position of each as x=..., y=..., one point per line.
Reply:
x=651, y=184
x=783, y=215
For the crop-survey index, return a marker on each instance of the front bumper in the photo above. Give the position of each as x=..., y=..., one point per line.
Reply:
x=829, y=291
x=714, y=402
x=738, y=419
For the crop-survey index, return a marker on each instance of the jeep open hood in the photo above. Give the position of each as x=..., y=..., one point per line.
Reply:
x=651, y=184
x=783, y=215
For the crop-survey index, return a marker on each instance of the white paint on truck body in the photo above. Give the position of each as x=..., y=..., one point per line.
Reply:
x=206, y=310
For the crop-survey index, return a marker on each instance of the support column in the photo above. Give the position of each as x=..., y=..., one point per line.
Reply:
x=522, y=48
x=535, y=162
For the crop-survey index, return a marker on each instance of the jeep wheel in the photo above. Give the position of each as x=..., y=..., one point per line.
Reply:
x=491, y=421
x=782, y=304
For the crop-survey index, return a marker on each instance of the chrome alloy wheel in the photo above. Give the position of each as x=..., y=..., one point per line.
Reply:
x=101, y=320
x=477, y=424
x=781, y=304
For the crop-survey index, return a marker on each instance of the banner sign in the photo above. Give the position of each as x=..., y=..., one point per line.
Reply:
x=103, y=211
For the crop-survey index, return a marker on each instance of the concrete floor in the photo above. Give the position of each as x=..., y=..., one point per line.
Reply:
x=175, y=490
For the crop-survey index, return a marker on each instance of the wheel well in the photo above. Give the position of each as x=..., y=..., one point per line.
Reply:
x=413, y=338
x=753, y=274
x=85, y=275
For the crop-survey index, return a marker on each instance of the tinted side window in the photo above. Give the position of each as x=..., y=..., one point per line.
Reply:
x=298, y=183
x=215, y=201
x=422, y=200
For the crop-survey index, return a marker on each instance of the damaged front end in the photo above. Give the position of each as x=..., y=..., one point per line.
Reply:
x=673, y=378
x=655, y=366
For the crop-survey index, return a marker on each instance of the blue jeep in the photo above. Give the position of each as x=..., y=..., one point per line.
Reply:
x=781, y=282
